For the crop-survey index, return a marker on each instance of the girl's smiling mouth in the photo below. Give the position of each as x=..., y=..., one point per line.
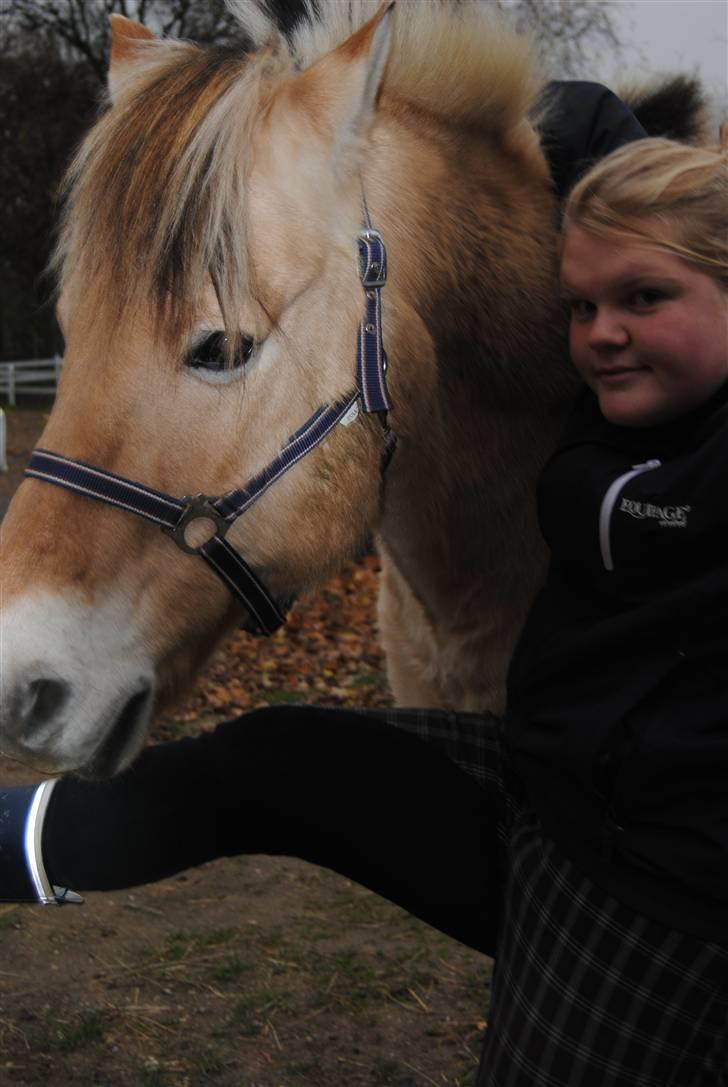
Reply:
x=617, y=373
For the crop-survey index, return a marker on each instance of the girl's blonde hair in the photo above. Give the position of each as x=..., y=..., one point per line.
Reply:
x=663, y=194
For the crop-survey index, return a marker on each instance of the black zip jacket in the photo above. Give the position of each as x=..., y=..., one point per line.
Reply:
x=617, y=720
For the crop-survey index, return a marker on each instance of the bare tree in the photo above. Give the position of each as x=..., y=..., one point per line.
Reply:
x=82, y=26
x=45, y=102
x=569, y=32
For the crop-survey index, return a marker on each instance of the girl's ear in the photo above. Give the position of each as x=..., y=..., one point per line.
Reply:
x=128, y=40
x=339, y=92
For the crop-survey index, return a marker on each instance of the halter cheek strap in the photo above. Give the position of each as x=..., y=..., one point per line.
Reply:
x=371, y=359
x=174, y=515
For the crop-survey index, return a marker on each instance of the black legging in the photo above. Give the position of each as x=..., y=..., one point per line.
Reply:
x=342, y=789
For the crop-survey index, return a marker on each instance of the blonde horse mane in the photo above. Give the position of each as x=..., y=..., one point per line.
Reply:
x=155, y=199
x=452, y=57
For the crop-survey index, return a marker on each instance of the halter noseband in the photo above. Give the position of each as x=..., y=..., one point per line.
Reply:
x=174, y=515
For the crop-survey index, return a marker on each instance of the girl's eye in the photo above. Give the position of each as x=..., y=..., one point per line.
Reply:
x=211, y=353
x=580, y=308
x=645, y=298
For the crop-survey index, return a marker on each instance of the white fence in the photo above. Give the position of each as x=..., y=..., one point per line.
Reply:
x=3, y=456
x=34, y=377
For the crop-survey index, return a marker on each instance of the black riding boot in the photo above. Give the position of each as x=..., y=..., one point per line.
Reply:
x=23, y=876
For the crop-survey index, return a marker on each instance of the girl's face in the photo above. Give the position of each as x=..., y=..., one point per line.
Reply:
x=649, y=332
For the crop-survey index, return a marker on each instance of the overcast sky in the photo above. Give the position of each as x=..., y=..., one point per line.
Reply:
x=674, y=35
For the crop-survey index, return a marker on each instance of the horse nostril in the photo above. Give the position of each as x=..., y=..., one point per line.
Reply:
x=42, y=700
x=124, y=739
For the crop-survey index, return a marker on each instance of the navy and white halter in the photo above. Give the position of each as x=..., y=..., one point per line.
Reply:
x=174, y=515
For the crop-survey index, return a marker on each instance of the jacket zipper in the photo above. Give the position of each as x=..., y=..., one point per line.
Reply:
x=608, y=504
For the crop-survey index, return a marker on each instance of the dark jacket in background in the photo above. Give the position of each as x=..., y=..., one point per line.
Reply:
x=582, y=122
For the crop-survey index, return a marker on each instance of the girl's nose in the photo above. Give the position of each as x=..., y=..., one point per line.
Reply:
x=607, y=331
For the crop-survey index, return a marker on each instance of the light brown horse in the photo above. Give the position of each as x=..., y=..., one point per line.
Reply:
x=224, y=192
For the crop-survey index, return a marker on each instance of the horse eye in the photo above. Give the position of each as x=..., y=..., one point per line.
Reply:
x=211, y=353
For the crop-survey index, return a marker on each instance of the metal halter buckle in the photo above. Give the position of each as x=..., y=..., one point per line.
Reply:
x=375, y=272
x=198, y=507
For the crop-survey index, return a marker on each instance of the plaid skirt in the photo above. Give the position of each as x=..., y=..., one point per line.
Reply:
x=586, y=992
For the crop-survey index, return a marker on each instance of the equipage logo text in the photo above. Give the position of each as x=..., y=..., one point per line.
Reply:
x=668, y=516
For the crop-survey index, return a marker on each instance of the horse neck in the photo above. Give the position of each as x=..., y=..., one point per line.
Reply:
x=477, y=354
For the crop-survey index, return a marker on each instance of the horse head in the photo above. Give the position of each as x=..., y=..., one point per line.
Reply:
x=211, y=304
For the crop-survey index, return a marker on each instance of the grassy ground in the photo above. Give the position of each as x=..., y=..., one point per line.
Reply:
x=247, y=973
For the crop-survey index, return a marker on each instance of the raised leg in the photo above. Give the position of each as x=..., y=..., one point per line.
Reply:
x=342, y=789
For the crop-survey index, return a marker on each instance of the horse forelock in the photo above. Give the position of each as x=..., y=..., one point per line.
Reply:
x=155, y=199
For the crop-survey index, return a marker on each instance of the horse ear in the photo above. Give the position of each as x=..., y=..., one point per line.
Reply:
x=126, y=35
x=340, y=90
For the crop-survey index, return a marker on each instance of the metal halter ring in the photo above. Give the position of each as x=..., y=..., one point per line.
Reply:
x=199, y=507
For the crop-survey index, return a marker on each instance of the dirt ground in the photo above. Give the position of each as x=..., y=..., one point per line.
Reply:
x=251, y=971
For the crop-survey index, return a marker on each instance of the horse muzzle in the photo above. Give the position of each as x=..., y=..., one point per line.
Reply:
x=76, y=687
